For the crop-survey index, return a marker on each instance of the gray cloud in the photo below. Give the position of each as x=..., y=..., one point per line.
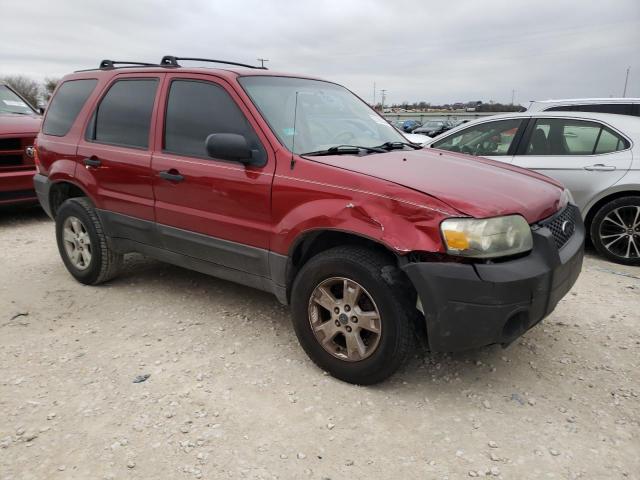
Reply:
x=417, y=50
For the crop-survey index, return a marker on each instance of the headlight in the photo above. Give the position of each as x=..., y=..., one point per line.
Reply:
x=565, y=198
x=487, y=238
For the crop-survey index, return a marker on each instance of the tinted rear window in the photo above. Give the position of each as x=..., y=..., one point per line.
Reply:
x=124, y=114
x=617, y=108
x=65, y=106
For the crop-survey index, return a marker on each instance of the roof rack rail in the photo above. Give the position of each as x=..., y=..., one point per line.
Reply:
x=172, y=61
x=104, y=64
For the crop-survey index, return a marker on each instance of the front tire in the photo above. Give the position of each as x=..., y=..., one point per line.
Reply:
x=85, y=249
x=615, y=230
x=352, y=313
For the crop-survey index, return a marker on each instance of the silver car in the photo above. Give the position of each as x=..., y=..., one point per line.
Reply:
x=619, y=106
x=595, y=155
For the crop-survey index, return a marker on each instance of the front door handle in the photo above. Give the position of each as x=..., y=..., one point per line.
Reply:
x=92, y=162
x=599, y=167
x=172, y=175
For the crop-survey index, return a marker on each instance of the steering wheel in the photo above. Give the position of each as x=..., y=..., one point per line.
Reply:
x=468, y=150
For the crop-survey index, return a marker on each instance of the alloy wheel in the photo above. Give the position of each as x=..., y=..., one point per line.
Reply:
x=620, y=232
x=77, y=243
x=345, y=319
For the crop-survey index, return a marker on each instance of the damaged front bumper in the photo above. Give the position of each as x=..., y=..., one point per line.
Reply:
x=472, y=305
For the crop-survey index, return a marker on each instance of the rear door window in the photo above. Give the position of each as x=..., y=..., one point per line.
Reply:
x=66, y=105
x=559, y=136
x=487, y=138
x=124, y=114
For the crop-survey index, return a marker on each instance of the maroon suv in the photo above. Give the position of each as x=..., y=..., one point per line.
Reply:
x=19, y=124
x=295, y=186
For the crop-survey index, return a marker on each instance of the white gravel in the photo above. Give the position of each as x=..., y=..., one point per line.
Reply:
x=231, y=395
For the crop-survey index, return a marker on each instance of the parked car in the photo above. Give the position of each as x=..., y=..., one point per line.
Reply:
x=408, y=126
x=620, y=106
x=416, y=138
x=595, y=155
x=261, y=178
x=433, y=128
x=19, y=124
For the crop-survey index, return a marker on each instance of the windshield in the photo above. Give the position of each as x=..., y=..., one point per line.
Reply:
x=327, y=115
x=12, y=103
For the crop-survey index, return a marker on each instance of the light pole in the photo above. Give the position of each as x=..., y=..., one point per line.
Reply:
x=626, y=79
x=374, y=95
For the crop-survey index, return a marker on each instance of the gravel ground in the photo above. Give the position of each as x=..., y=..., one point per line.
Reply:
x=231, y=394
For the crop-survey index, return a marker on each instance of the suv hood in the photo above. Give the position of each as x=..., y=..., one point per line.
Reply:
x=19, y=124
x=474, y=186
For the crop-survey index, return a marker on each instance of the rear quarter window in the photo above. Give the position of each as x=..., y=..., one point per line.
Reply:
x=65, y=106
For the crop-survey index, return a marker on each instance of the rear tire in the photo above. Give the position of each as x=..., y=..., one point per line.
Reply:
x=364, y=351
x=615, y=230
x=85, y=249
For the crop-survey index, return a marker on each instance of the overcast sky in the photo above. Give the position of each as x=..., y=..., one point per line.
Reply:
x=436, y=51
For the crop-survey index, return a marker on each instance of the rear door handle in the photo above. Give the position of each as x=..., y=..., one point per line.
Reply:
x=599, y=167
x=92, y=162
x=171, y=175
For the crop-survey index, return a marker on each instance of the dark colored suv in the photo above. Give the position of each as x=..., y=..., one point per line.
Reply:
x=19, y=124
x=295, y=186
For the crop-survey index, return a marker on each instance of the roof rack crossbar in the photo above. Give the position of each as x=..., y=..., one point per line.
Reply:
x=112, y=64
x=172, y=61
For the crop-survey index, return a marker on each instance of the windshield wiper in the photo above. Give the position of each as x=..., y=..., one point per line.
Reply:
x=398, y=145
x=345, y=150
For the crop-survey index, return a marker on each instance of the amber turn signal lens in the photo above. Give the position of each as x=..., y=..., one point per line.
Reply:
x=456, y=240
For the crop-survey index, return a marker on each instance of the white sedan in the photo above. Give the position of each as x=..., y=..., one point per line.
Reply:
x=595, y=155
x=416, y=138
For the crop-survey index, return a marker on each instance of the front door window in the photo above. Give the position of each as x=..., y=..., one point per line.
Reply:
x=486, y=139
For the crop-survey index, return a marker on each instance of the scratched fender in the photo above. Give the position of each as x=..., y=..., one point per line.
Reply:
x=399, y=218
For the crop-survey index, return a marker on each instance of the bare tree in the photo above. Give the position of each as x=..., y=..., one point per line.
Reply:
x=49, y=86
x=25, y=86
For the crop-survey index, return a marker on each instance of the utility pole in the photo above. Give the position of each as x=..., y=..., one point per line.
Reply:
x=626, y=79
x=384, y=94
x=374, y=94
x=262, y=60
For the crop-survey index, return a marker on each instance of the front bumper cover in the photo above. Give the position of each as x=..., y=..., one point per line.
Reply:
x=472, y=305
x=17, y=186
x=42, y=186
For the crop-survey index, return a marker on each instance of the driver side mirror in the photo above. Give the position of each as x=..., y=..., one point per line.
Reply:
x=230, y=146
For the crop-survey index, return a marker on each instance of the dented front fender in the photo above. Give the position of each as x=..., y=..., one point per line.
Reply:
x=401, y=219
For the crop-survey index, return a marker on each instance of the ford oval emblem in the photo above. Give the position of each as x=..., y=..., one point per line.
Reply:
x=567, y=227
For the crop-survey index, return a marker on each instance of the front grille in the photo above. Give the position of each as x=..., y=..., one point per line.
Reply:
x=8, y=160
x=12, y=153
x=17, y=195
x=563, y=224
x=10, y=144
